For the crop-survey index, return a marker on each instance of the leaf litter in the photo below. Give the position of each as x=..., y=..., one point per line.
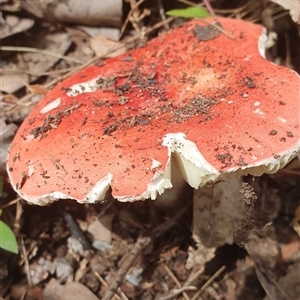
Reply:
x=138, y=251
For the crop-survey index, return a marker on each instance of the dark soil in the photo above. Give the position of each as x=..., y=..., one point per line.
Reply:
x=148, y=248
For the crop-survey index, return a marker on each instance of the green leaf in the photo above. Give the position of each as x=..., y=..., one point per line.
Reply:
x=189, y=12
x=8, y=240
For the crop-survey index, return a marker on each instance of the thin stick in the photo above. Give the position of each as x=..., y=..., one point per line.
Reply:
x=193, y=277
x=18, y=217
x=208, y=282
x=209, y=7
x=34, y=50
x=53, y=72
x=10, y=203
x=133, y=8
x=186, y=287
x=177, y=292
x=178, y=285
x=120, y=295
x=76, y=231
x=26, y=263
x=139, y=246
x=162, y=12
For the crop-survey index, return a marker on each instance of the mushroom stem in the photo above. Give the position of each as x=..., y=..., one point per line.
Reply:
x=170, y=197
x=217, y=213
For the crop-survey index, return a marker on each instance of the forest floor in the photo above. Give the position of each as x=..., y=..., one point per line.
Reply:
x=79, y=251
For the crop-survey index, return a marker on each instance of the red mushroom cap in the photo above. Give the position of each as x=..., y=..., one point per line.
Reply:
x=193, y=97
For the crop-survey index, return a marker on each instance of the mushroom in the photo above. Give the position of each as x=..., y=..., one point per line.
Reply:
x=196, y=101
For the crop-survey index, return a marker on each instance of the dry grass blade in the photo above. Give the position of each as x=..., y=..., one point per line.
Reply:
x=52, y=72
x=26, y=262
x=220, y=29
x=209, y=7
x=18, y=217
x=12, y=202
x=161, y=11
x=28, y=49
x=133, y=8
x=176, y=292
x=208, y=282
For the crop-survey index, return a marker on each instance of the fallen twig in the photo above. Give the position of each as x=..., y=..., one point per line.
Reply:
x=26, y=262
x=12, y=202
x=208, y=282
x=178, y=285
x=141, y=243
x=120, y=295
x=76, y=231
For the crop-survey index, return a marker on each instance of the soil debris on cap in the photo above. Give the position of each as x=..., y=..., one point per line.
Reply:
x=193, y=97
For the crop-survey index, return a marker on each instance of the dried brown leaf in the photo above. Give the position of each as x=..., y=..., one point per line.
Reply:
x=89, y=12
x=13, y=77
x=37, y=89
x=12, y=25
x=104, y=47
